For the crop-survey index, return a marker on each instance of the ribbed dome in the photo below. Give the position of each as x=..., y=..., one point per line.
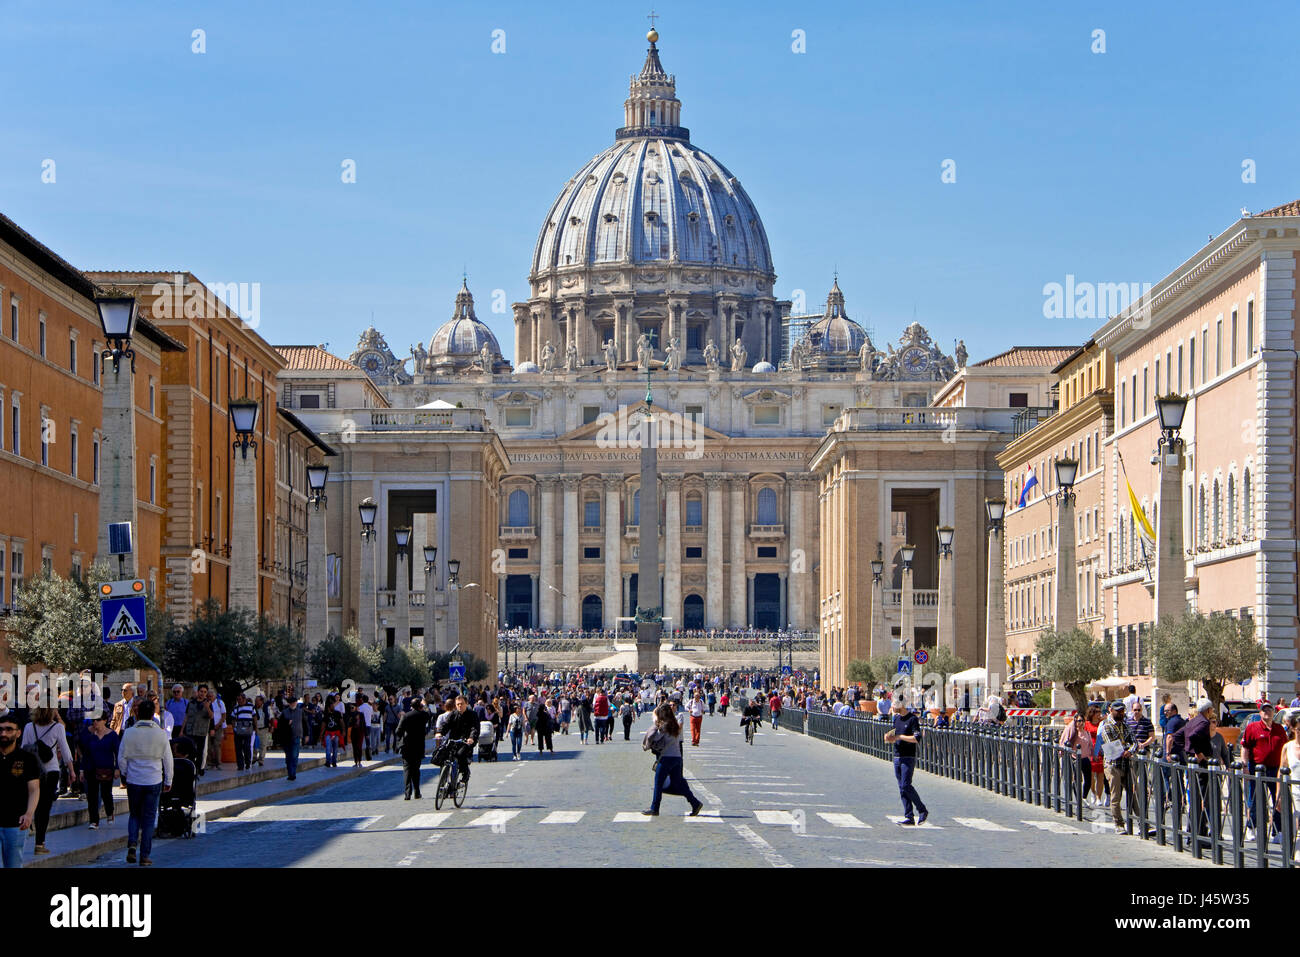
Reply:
x=653, y=200
x=463, y=334
x=835, y=333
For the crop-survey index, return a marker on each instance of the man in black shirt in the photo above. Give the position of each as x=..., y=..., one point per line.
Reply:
x=411, y=732
x=20, y=791
x=462, y=726
x=906, y=733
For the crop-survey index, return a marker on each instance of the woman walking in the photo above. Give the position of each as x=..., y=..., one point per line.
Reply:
x=515, y=726
x=355, y=719
x=544, y=729
x=99, y=768
x=1091, y=725
x=332, y=733
x=625, y=711
x=584, y=717
x=46, y=738
x=1076, y=740
x=664, y=739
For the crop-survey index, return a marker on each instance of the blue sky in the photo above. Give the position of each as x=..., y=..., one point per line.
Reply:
x=1113, y=167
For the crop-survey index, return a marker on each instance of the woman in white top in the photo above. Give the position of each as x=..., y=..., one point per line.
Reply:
x=515, y=728
x=45, y=735
x=1291, y=759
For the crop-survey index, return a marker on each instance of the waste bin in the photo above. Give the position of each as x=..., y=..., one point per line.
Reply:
x=227, y=747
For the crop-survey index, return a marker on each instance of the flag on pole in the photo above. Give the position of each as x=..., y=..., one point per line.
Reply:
x=1030, y=482
x=1139, y=514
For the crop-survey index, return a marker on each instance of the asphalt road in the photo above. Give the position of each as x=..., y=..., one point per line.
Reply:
x=785, y=801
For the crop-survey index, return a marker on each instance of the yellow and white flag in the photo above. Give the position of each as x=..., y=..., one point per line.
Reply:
x=1140, y=515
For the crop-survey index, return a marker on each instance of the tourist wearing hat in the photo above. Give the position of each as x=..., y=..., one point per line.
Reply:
x=1117, y=746
x=1261, y=746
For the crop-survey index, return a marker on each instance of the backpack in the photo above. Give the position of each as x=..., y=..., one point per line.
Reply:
x=243, y=726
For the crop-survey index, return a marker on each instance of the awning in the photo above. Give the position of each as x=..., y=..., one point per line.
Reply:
x=969, y=675
x=1111, y=682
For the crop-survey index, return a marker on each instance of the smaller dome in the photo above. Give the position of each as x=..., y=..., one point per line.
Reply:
x=764, y=367
x=837, y=335
x=463, y=335
x=528, y=367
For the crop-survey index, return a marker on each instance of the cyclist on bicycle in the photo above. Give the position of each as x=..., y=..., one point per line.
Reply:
x=460, y=726
x=753, y=713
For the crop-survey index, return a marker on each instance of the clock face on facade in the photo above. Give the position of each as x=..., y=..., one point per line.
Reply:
x=372, y=362
x=916, y=360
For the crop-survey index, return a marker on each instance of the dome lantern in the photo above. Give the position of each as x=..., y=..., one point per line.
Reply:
x=652, y=107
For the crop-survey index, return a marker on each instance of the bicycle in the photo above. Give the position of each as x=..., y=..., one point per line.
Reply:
x=450, y=783
x=750, y=731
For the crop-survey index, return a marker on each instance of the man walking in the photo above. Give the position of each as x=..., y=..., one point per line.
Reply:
x=1261, y=744
x=198, y=722
x=122, y=709
x=243, y=722
x=904, y=736
x=1116, y=747
x=20, y=791
x=218, y=732
x=410, y=735
x=177, y=707
x=290, y=729
x=145, y=757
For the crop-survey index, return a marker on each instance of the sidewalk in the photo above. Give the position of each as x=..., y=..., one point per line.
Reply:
x=221, y=794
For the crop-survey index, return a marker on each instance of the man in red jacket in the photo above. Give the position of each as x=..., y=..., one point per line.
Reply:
x=1262, y=744
x=600, y=711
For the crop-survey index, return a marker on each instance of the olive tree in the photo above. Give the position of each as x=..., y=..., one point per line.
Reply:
x=1074, y=658
x=1214, y=649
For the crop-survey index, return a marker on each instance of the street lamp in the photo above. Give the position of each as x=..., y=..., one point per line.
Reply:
x=996, y=509
x=1066, y=470
x=430, y=558
x=945, y=540
x=453, y=569
x=403, y=536
x=243, y=415
x=368, y=510
x=908, y=552
x=1171, y=408
x=316, y=476
x=117, y=319
x=877, y=571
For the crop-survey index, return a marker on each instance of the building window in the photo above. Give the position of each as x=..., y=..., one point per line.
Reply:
x=830, y=413
x=40, y=335
x=47, y=434
x=767, y=415
x=1191, y=362
x=1018, y=400
x=1205, y=355
x=695, y=413
x=519, y=418
x=16, y=577
x=94, y=461
x=590, y=413
x=1217, y=513
x=1145, y=393
x=94, y=362
x=72, y=451
x=1218, y=347
x=517, y=553
x=695, y=337
x=694, y=511
x=76, y=568
x=2, y=577
x=72, y=354
x=1133, y=397
x=151, y=395
x=767, y=507
x=519, y=508
x=1231, y=523
x=636, y=507
x=1202, y=524
x=15, y=427
x=1232, y=346
x=766, y=551
x=591, y=513
x=1250, y=328
x=1123, y=401
x=153, y=481
x=13, y=317
x=591, y=553
x=309, y=400
x=1180, y=367
x=694, y=551
x=1247, y=504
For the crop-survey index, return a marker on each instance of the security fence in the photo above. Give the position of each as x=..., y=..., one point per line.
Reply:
x=1208, y=811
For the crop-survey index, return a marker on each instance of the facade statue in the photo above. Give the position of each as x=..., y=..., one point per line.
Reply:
x=419, y=356
x=797, y=356
x=711, y=355
x=739, y=354
x=867, y=355
x=484, y=361
x=548, y=357
x=571, y=358
x=673, y=355
x=611, y=356
x=960, y=354
x=643, y=352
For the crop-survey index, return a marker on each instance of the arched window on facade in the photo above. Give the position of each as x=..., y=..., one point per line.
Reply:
x=1232, y=506
x=1202, y=523
x=1247, y=504
x=636, y=507
x=767, y=507
x=520, y=512
x=694, y=510
x=1216, y=535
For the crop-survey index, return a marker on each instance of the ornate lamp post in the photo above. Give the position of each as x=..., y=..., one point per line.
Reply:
x=1067, y=592
x=244, y=591
x=117, y=501
x=947, y=630
x=1171, y=565
x=367, y=623
x=907, y=629
x=453, y=602
x=402, y=535
x=995, y=622
x=880, y=638
x=317, y=623
x=430, y=576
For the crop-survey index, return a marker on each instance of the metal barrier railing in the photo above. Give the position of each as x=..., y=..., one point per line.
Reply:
x=1200, y=810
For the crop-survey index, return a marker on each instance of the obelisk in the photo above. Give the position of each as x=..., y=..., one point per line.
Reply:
x=649, y=610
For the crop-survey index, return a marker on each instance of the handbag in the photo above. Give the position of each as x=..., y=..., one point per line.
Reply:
x=104, y=774
x=44, y=751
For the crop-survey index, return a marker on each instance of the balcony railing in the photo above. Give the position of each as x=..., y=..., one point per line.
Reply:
x=766, y=531
x=410, y=420
x=518, y=532
x=1030, y=418
x=921, y=597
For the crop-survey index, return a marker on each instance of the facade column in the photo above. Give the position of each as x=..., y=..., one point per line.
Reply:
x=430, y=600
x=797, y=578
x=995, y=622
x=1171, y=565
x=881, y=639
x=673, y=549
x=1067, y=601
x=244, y=566
x=907, y=631
x=947, y=631
x=713, y=552
x=613, y=604
x=316, y=624
x=569, y=559
x=117, y=501
x=739, y=605
x=546, y=590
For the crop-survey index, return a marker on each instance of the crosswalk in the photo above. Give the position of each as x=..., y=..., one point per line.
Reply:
x=501, y=819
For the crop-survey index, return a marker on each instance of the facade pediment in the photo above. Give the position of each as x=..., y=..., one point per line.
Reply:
x=764, y=397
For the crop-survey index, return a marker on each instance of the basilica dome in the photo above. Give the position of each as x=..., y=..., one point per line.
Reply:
x=653, y=197
x=835, y=333
x=461, y=339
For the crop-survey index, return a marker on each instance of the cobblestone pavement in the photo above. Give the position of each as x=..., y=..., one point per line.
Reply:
x=785, y=801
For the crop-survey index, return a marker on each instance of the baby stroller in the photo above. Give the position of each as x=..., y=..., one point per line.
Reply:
x=487, y=741
x=178, y=808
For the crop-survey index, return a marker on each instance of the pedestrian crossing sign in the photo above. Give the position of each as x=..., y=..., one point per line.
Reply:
x=123, y=619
